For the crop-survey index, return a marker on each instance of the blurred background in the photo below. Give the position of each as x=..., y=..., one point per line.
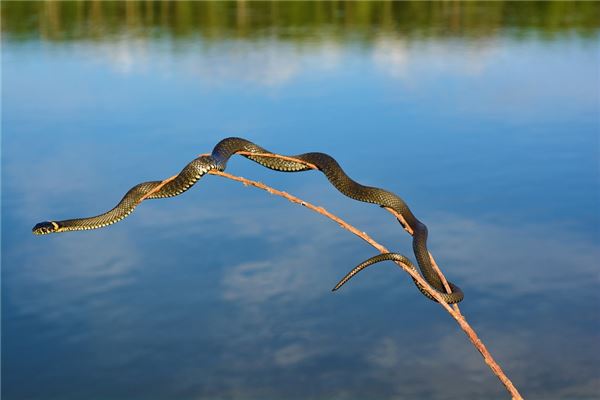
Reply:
x=483, y=116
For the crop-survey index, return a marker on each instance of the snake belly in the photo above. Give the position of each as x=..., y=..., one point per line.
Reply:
x=222, y=152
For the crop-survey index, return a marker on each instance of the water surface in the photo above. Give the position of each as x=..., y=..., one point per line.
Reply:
x=484, y=117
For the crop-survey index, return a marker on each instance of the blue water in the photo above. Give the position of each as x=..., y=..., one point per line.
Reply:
x=224, y=292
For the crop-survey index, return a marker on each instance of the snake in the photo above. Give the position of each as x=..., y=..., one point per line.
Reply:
x=218, y=159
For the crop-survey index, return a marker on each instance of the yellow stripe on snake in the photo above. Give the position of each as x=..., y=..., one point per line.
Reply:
x=325, y=163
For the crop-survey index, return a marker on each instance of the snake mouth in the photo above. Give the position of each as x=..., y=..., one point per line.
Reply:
x=44, y=228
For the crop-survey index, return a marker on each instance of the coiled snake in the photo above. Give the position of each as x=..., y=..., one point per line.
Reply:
x=325, y=163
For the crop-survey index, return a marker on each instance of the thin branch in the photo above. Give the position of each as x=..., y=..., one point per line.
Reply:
x=453, y=311
x=436, y=268
x=156, y=189
x=273, y=155
x=489, y=360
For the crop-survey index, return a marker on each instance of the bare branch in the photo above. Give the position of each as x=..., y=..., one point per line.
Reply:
x=156, y=189
x=454, y=311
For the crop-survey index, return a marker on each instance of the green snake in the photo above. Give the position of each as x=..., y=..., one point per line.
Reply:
x=325, y=163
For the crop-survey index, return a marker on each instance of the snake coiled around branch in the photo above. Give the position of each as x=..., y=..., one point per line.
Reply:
x=325, y=163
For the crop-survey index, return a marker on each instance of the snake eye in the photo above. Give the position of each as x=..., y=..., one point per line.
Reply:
x=45, y=227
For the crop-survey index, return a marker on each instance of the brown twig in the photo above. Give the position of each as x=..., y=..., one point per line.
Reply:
x=272, y=155
x=157, y=188
x=436, y=268
x=453, y=311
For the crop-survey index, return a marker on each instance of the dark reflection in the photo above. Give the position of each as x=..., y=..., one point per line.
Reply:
x=296, y=21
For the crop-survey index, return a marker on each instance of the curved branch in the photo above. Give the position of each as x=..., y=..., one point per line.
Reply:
x=454, y=311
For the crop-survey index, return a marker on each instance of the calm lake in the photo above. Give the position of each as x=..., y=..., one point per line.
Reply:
x=483, y=117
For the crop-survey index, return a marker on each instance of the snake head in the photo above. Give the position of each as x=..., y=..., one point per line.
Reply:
x=46, y=227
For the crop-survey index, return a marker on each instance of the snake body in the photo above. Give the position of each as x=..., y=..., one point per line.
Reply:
x=196, y=169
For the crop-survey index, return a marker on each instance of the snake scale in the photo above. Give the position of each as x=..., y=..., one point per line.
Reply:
x=325, y=163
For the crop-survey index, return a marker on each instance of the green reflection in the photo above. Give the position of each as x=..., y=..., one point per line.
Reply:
x=357, y=20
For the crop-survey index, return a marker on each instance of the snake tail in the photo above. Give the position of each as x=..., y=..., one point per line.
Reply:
x=450, y=298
